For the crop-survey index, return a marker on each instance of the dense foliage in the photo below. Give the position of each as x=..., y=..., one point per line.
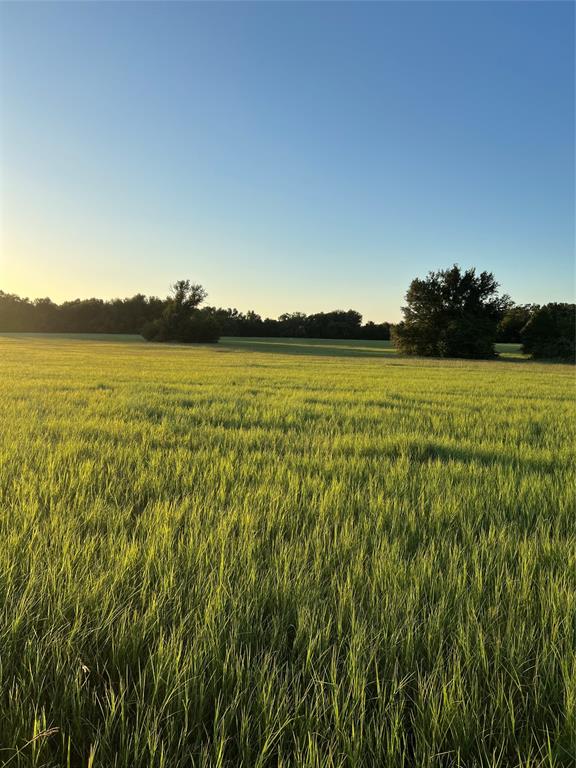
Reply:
x=220, y=558
x=513, y=322
x=551, y=332
x=139, y=314
x=79, y=316
x=451, y=313
x=181, y=319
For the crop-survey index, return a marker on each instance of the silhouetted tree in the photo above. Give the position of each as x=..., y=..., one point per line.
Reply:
x=181, y=320
x=551, y=332
x=187, y=295
x=451, y=314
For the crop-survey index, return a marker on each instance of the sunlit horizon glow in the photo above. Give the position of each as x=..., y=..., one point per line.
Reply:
x=288, y=157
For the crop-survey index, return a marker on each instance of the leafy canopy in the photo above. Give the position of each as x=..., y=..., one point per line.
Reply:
x=451, y=313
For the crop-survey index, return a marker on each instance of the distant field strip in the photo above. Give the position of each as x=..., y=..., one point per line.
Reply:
x=275, y=553
x=330, y=347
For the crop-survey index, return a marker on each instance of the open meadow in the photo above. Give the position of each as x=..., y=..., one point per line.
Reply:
x=276, y=554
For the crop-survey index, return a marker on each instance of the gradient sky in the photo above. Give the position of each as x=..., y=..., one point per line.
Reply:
x=288, y=156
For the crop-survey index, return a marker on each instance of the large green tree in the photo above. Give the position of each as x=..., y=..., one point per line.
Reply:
x=451, y=313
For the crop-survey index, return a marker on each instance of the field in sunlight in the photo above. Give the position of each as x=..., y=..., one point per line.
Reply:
x=267, y=553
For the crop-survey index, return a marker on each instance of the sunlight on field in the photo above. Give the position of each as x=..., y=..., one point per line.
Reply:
x=220, y=556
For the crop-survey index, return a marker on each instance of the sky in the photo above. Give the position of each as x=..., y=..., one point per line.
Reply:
x=287, y=156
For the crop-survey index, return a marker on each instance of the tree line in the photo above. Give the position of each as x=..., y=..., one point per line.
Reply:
x=449, y=313
x=140, y=313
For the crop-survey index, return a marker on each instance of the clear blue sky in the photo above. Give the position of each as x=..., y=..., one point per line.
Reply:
x=288, y=156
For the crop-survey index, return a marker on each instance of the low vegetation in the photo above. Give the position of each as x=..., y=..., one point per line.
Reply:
x=221, y=557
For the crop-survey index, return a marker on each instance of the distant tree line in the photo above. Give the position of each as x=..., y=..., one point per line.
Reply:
x=338, y=324
x=78, y=316
x=156, y=318
x=449, y=313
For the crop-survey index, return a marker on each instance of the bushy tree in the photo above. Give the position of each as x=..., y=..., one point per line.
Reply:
x=181, y=319
x=551, y=332
x=451, y=313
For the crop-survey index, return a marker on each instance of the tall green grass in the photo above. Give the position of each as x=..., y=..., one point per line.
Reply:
x=223, y=557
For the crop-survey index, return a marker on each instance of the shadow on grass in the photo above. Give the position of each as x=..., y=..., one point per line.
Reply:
x=316, y=347
x=351, y=348
x=430, y=452
x=507, y=353
x=119, y=337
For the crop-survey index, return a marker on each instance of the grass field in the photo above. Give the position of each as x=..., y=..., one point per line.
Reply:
x=331, y=347
x=285, y=555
